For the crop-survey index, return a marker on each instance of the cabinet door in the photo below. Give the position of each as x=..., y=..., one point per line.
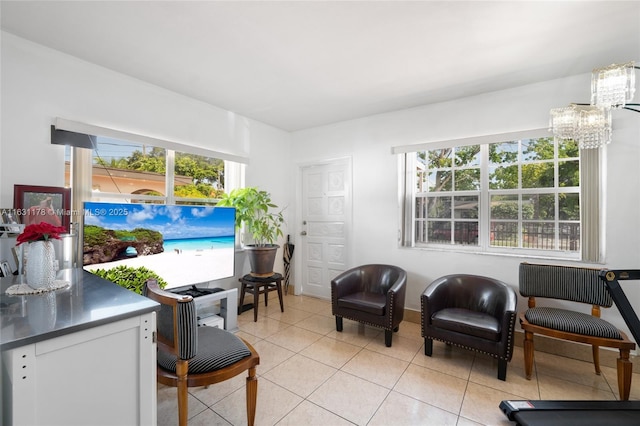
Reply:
x=105, y=375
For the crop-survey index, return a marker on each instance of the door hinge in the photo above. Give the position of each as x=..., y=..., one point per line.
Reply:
x=153, y=337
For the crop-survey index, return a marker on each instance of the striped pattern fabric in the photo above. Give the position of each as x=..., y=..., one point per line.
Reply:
x=572, y=322
x=217, y=349
x=563, y=282
x=187, y=322
x=187, y=325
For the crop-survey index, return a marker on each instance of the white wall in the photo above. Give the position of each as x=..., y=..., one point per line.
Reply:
x=375, y=180
x=40, y=84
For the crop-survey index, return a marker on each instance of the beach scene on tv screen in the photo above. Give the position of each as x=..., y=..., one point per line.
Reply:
x=183, y=244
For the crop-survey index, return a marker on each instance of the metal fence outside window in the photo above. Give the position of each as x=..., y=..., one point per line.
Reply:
x=540, y=235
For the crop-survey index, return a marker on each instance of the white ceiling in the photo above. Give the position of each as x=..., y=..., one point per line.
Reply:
x=301, y=64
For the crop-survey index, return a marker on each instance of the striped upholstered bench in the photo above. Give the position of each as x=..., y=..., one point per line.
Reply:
x=577, y=285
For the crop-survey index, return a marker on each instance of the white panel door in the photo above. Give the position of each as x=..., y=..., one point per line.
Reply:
x=326, y=224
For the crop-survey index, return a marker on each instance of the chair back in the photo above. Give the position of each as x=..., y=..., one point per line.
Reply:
x=380, y=278
x=177, y=324
x=472, y=292
x=575, y=284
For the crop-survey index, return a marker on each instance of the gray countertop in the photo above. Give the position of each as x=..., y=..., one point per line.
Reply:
x=90, y=301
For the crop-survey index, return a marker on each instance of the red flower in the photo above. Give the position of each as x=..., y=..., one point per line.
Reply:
x=42, y=231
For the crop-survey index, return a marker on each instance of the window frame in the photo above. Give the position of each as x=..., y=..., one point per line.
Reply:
x=169, y=181
x=590, y=204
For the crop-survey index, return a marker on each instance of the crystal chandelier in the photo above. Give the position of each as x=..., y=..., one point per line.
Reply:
x=613, y=86
x=590, y=125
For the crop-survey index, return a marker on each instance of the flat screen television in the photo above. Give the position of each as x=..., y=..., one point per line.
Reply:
x=184, y=245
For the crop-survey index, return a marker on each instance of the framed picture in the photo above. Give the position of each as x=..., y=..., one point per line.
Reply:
x=35, y=204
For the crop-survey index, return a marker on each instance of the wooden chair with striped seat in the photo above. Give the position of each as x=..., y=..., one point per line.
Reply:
x=574, y=284
x=189, y=355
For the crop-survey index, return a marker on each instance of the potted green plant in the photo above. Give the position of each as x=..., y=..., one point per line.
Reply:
x=254, y=212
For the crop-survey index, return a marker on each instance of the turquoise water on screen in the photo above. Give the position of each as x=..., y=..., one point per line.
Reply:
x=206, y=243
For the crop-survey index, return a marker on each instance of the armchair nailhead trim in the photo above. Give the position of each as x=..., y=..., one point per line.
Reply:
x=390, y=316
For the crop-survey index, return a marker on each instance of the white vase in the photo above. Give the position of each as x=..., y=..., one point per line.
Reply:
x=40, y=267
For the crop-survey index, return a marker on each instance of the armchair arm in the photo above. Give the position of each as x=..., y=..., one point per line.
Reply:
x=397, y=292
x=508, y=321
x=435, y=297
x=400, y=283
x=509, y=306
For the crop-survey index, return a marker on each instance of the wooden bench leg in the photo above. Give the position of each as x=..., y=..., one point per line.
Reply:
x=625, y=373
x=279, y=288
x=243, y=290
x=596, y=358
x=256, y=301
x=528, y=354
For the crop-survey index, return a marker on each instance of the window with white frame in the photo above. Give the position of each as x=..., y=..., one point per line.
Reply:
x=513, y=194
x=127, y=171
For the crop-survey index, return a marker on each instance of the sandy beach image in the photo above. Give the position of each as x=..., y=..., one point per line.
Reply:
x=180, y=269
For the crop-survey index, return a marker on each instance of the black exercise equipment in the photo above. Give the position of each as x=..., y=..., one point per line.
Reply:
x=592, y=413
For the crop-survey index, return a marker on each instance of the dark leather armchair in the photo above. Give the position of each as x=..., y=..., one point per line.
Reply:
x=472, y=312
x=370, y=294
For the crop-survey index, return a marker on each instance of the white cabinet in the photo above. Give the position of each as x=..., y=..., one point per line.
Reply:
x=105, y=375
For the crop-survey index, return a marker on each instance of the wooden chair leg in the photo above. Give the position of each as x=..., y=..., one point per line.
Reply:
x=528, y=354
x=279, y=287
x=596, y=358
x=428, y=346
x=388, y=335
x=256, y=299
x=252, y=396
x=502, y=369
x=338, y=323
x=243, y=290
x=625, y=373
x=182, y=367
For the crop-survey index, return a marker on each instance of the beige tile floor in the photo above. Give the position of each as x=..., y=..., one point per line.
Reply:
x=309, y=374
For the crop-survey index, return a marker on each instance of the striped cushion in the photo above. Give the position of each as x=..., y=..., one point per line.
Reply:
x=563, y=282
x=217, y=349
x=187, y=324
x=572, y=322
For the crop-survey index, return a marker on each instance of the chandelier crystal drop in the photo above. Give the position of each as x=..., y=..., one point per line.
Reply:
x=563, y=122
x=594, y=127
x=590, y=126
x=613, y=86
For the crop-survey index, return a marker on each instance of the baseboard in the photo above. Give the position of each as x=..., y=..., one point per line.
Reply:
x=579, y=351
x=412, y=316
